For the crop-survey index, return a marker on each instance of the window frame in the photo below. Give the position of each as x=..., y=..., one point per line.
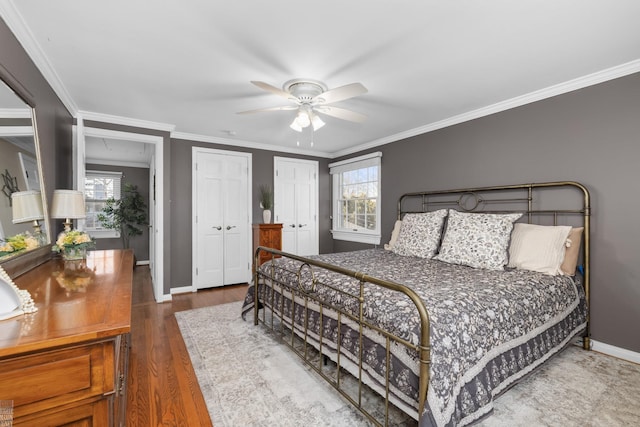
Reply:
x=103, y=233
x=337, y=170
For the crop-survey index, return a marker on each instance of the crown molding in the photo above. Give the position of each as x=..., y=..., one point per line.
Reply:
x=246, y=144
x=125, y=121
x=21, y=31
x=7, y=131
x=15, y=113
x=551, y=91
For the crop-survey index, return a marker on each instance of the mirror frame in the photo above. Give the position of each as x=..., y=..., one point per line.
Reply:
x=20, y=264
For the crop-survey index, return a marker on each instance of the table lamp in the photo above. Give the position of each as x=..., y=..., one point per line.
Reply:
x=26, y=207
x=68, y=204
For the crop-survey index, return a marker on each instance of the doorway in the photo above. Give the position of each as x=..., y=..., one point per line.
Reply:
x=156, y=196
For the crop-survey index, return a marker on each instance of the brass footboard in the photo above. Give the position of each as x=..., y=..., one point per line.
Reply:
x=306, y=292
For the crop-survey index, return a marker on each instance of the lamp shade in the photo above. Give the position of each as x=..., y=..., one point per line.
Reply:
x=26, y=206
x=68, y=204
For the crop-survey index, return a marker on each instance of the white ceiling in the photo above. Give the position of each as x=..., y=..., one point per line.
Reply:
x=186, y=65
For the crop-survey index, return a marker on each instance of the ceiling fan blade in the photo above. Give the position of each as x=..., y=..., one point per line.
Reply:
x=273, y=89
x=340, y=94
x=261, y=110
x=341, y=113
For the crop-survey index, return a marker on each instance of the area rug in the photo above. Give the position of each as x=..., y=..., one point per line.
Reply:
x=249, y=379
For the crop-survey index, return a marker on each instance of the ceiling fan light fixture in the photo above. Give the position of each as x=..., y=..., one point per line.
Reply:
x=295, y=126
x=317, y=122
x=303, y=118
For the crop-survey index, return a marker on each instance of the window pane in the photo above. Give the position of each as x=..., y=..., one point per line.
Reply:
x=372, y=189
x=371, y=206
x=373, y=173
x=371, y=222
x=98, y=188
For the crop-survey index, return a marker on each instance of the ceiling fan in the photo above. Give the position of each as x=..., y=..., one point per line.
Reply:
x=311, y=97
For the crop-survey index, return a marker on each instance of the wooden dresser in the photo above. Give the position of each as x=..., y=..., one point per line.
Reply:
x=67, y=363
x=268, y=235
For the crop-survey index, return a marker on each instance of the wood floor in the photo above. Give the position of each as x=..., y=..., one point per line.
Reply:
x=162, y=387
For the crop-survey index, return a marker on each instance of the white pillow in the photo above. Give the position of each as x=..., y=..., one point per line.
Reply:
x=538, y=247
x=477, y=240
x=420, y=234
x=394, y=236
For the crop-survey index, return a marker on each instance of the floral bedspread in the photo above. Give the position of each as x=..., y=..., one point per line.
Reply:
x=488, y=328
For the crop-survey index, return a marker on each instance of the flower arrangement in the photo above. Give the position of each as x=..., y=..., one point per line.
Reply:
x=19, y=242
x=73, y=244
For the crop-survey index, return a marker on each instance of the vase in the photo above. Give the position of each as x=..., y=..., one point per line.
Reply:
x=266, y=216
x=72, y=254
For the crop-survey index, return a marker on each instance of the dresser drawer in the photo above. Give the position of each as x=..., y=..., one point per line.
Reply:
x=41, y=381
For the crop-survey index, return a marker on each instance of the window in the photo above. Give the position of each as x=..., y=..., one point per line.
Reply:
x=98, y=187
x=356, y=199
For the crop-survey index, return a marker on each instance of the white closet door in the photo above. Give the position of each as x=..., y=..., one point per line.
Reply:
x=285, y=204
x=209, y=221
x=221, y=225
x=296, y=204
x=306, y=202
x=236, y=226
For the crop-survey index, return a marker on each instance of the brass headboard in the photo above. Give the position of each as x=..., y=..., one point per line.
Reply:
x=547, y=203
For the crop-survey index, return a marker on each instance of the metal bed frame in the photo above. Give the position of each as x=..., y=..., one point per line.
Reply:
x=521, y=198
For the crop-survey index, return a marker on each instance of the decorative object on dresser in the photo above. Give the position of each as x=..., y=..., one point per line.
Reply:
x=66, y=364
x=269, y=236
x=266, y=203
x=73, y=245
x=68, y=204
x=13, y=300
x=27, y=207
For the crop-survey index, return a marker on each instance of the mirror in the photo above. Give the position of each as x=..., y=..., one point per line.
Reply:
x=19, y=171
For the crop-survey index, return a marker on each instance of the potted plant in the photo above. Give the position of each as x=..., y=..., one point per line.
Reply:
x=266, y=202
x=127, y=215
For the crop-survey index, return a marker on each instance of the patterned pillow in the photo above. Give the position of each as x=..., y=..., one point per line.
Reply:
x=420, y=234
x=477, y=240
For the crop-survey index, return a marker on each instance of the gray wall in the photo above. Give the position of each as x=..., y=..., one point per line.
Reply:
x=591, y=136
x=140, y=178
x=53, y=120
x=262, y=173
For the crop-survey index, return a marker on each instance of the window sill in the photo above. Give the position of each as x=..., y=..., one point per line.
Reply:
x=356, y=236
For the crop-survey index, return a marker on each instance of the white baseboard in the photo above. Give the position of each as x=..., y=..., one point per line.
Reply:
x=182, y=290
x=142, y=262
x=165, y=298
x=620, y=353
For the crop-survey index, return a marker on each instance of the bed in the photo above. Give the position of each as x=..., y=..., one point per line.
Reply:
x=472, y=294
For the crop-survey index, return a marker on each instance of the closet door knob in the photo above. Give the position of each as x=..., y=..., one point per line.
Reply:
x=302, y=225
x=292, y=226
x=229, y=227
x=217, y=228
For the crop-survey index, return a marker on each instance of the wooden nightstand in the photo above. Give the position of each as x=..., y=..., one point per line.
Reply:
x=268, y=235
